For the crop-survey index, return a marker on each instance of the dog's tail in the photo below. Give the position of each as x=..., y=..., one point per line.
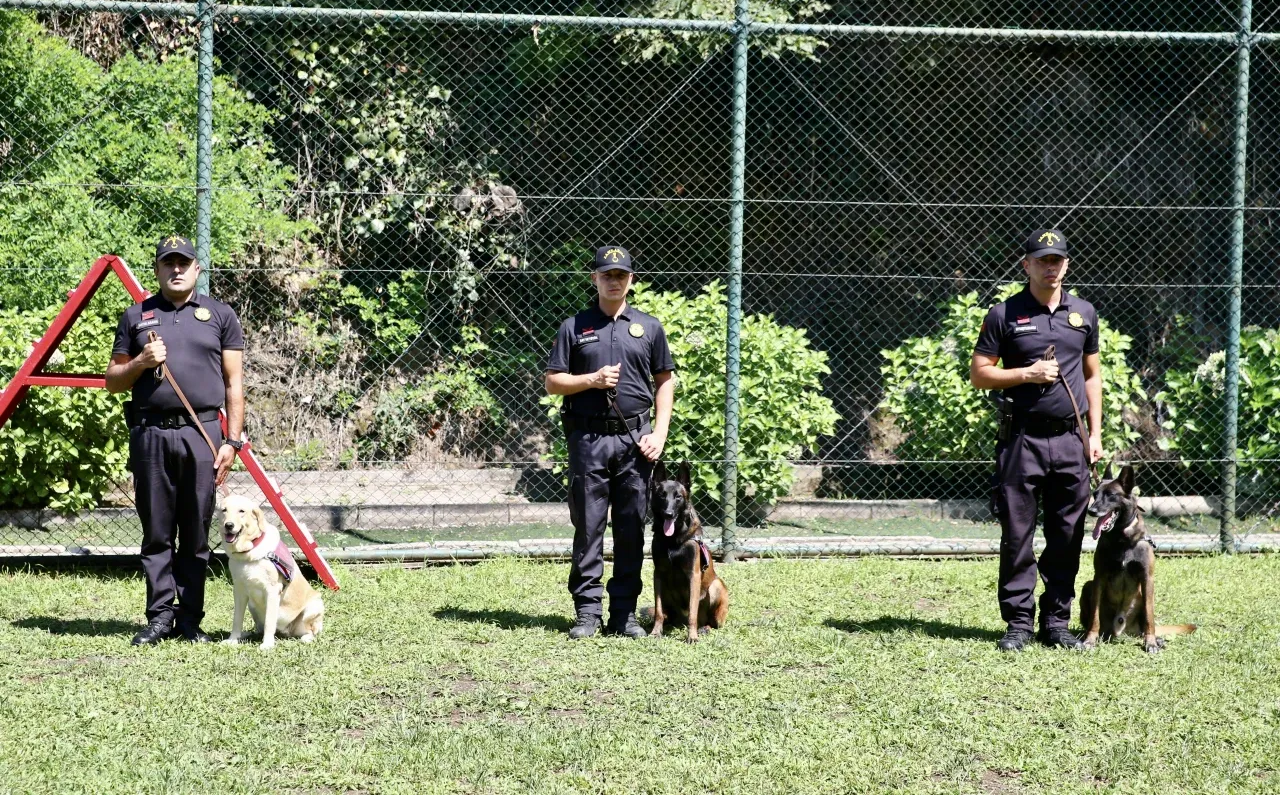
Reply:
x=1164, y=630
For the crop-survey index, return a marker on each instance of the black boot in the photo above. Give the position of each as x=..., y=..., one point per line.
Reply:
x=588, y=625
x=192, y=633
x=1059, y=638
x=625, y=625
x=157, y=630
x=1014, y=639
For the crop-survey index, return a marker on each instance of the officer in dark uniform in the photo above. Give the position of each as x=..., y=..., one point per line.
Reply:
x=1040, y=457
x=612, y=364
x=174, y=471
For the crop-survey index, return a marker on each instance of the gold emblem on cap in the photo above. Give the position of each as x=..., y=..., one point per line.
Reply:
x=1053, y=238
x=174, y=240
x=614, y=255
x=1075, y=319
x=203, y=314
x=636, y=330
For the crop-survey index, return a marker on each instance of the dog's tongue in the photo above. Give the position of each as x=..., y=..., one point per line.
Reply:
x=669, y=526
x=1097, y=528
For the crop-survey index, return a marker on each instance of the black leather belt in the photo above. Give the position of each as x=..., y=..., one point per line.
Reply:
x=607, y=425
x=1034, y=425
x=157, y=419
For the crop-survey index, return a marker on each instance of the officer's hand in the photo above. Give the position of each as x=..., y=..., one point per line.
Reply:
x=651, y=445
x=606, y=377
x=153, y=354
x=222, y=464
x=1042, y=372
x=1095, y=448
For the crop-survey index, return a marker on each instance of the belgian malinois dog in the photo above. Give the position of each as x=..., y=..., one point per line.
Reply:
x=686, y=589
x=1121, y=598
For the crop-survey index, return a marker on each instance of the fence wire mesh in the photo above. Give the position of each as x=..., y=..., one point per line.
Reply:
x=404, y=206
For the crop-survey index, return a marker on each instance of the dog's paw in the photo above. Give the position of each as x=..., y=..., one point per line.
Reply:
x=1090, y=643
x=267, y=645
x=231, y=642
x=690, y=638
x=656, y=632
x=1151, y=644
x=308, y=638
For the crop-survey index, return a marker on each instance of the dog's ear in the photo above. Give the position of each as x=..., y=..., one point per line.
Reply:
x=660, y=472
x=684, y=477
x=261, y=519
x=1109, y=475
x=1126, y=479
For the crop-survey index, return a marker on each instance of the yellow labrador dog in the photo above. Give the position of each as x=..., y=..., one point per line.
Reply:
x=266, y=578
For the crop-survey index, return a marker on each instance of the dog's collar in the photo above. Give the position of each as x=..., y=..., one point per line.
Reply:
x=257, y=540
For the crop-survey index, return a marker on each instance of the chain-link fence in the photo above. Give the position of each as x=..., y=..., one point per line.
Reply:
x=401, y=204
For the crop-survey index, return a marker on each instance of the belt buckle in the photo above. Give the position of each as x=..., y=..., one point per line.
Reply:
x=171, y=421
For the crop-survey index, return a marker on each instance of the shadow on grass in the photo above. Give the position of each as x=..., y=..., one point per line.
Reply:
x=934, y=629
x=505, y=619
x=78, y=626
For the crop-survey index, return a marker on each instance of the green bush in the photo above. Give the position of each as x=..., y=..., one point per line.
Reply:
x=83, y=145
x=1193, y=405
x=784, y=412
x=64, y=448
x=930, y=411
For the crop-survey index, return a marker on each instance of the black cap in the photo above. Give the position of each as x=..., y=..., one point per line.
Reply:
x=612, y=258
x=1044, y=243
x=175, y=244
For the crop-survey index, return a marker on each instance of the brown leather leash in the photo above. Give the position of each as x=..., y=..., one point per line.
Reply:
x=1050, y=355
x=162, y=374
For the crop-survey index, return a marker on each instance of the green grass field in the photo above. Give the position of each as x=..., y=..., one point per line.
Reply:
x=868, y=675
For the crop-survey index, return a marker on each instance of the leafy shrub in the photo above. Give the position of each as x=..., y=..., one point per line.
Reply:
x=1193, y=405
x=63, y=448
x=784, y=413
x=72, y=131
x=450, y=405
x=937, y=415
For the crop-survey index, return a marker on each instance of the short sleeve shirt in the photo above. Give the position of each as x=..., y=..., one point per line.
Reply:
x=591, y=339
x=195, y=335
x=1019, y=330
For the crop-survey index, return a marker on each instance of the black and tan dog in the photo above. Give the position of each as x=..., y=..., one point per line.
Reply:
x=686, y=589
x=1121, y=599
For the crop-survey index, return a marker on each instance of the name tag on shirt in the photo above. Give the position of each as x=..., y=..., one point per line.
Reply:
x=146, y=324
x=1024, y=329
x=585, y=338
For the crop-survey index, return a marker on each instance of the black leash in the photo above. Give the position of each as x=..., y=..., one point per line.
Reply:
x=612, y=395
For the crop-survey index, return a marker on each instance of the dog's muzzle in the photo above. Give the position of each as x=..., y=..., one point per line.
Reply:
x=229, y=533
x=1105, y=523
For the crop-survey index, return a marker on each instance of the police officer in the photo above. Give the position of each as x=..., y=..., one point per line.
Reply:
x=1041, y=458
x=612, y=364
x=174, y=471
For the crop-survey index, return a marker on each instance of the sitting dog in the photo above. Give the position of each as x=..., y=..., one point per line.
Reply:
x=266, y=578
x=685, y=586
x=1121, y=599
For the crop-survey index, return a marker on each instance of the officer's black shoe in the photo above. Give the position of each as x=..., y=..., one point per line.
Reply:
x=192, y=634
x=588, y=625
x=156, y=631
x=1059, y=637
x=1014, y=639
x=625, y=625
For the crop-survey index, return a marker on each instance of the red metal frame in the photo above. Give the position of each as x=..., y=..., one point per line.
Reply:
x=31, y=373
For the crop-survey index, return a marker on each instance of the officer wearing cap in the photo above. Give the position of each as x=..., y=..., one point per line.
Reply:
x=1040, y=456
x=612, y=364
x=174, y=471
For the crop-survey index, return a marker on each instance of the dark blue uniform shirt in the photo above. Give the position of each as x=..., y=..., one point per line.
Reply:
x=591, y=339
x=195, y=336
x=1018, y=330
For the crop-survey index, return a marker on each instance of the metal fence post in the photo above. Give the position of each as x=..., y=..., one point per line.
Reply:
x=1232, y=408
x=204, y=143
x=733, y=337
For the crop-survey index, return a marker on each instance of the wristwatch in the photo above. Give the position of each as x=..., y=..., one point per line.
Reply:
x=234, y=443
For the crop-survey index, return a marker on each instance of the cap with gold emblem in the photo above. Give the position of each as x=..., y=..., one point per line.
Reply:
x=612, y=258
x=175, y=244
x=1045, y=243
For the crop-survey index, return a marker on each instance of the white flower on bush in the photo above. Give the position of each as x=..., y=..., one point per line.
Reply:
x=1214, y=371
x=695, y=339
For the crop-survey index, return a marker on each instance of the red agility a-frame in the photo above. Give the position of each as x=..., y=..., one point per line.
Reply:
x=31, y=373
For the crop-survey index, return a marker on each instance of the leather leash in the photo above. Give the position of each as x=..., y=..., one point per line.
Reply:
x=162, y=374
x=1050, y=355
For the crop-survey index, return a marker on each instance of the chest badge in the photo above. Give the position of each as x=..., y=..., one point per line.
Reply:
x=636, y=330
x=1075, y=319
x=203, y=314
